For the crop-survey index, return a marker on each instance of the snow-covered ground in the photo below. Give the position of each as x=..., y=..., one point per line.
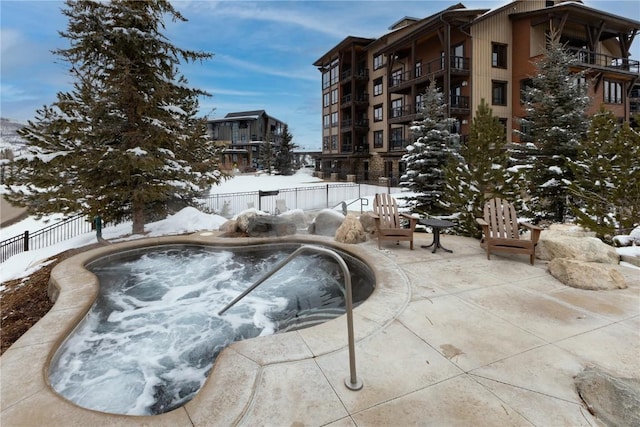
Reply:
x=188, y=220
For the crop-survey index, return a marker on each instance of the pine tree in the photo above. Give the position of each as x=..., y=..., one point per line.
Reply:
x=556, y=120
x=606, y=187
x=478, y=171
x=267, y=153
x=427, y=157
x=284, y=153
x=125, y=141
x=625, y=177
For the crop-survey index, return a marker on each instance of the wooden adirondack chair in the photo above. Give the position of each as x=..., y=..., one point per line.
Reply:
x=387, y=219
x=500, y=229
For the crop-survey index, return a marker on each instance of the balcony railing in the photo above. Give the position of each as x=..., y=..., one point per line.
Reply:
x=362, y=73
x=459, y=102
x=359, y=98
x=399, y=112
x=347, y=124
x=590, y=58
x=458, y=64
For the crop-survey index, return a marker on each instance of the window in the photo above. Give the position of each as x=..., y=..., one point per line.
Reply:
x=418, y=68
x=377, y=87
x=419, y=103
x=396, y=108
x=396, y=77
x=397, y=138
x=580, y=81
x=325, y=80
x=334, y=142
x=377, y=113
x=334, y=119
x=325, y=121
x=325, y=143
x=498, y=55
x=612, y=92
x=325, y=99
x=377, y=62
x=334, y=75
x=457, y=57
x=378, y=138
x=498, y=92
x=334, y=96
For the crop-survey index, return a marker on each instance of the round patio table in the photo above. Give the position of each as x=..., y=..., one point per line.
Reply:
x=436, y=225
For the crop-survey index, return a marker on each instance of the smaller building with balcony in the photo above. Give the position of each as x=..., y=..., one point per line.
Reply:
x=242, y=135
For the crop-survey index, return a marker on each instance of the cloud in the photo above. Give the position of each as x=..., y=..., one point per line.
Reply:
x=11, y=93
x=233, y=92
x=275, y=12
x=263, y=69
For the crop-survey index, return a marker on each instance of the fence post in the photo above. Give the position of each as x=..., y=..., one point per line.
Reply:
x=26, y=240
x=327, y=195
x=97, y=222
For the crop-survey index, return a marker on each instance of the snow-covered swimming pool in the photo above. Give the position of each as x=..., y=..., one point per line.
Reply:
x=150, y=339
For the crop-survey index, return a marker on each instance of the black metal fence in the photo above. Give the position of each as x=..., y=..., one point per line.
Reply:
x=226, y=205
x=50, y=235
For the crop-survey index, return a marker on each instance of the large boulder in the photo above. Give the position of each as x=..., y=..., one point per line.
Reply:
x=615, y=401
x=326, y=223
x=589, y=249
x=368, y=222
x=296, y=216
x=243, y=218
x=230, y=226
x=350, y=231
x=587, y=275
x=556, y=231
x=270, y=226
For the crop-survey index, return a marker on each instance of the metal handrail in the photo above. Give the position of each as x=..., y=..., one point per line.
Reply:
x=352, y=383
x=363, y=202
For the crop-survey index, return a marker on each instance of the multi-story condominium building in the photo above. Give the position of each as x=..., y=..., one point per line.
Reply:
x=372, y=88
x=242, y=135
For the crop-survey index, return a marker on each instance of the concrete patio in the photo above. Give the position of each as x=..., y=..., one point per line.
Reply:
x=446, y=339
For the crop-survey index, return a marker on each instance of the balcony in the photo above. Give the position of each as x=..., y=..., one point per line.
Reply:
x=347, y=125
x=402, y=114
x=361, y=74
x=402, y=82
x=459, y=105
x=361, y=99
x=346, y=147
x=591, y=59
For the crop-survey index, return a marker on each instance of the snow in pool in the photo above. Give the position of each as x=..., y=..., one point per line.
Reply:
x=150, y=339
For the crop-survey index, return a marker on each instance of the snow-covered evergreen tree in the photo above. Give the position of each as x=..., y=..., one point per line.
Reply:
x=478, y=171
x=427, y=157
x=606, y=187
x=284, y=154
x=125, y=142
x=556, y=121
x=267, y=154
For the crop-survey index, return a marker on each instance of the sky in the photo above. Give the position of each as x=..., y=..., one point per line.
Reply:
x=263, y=51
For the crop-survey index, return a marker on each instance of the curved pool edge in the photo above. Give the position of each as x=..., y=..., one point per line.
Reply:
x=27, y=398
